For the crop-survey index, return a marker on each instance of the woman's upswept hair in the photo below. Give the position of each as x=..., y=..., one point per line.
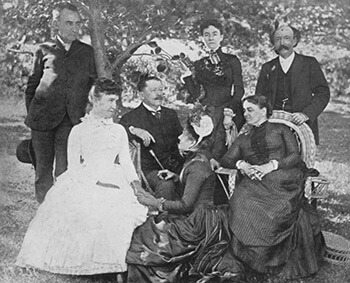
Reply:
x=102, y=86
x=261, y=101
x=144, y=78
x=211, y=22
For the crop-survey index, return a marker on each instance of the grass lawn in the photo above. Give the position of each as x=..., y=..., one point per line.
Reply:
x=18, y=205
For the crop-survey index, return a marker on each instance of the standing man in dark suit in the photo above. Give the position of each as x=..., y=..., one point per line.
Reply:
x=294, y=82
x=57, y=94
x=157, y=128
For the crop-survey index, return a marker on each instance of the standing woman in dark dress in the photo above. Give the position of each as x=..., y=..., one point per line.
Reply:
x=219, y=75
x=275, y=230
x=190, y=238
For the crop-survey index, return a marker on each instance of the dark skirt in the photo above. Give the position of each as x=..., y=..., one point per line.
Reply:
x=274, y=228
x=177, y=247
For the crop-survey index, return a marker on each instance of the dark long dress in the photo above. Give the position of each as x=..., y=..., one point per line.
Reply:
x=274, y=228
x=223, y=88
x=191, y=239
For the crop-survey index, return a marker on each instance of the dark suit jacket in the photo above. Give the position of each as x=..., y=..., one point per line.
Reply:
x=309, y=89
x=217, y=92
x=165, y=132
x=59, y=84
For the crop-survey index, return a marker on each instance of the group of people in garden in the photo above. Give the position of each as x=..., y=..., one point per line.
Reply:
x=97, y=216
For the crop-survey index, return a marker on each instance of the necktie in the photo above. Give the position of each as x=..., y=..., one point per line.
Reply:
x=214, y=57
x=156, y=114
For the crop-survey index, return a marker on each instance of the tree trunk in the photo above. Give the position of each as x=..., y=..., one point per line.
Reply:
x=97, y=40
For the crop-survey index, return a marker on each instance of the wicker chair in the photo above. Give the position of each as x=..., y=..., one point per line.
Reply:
x=135, y=153
x=315, y=187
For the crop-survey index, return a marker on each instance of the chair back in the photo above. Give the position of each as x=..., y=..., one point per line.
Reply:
x=303, y=133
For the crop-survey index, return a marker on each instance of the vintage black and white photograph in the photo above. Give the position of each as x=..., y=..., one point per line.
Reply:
x=175, y=141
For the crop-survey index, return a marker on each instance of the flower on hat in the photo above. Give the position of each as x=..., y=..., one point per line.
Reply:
x=203, y=127
x=200, y=121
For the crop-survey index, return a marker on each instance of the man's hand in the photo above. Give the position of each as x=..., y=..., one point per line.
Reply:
x=298, y=118
x=146, y=137
x=167, y=175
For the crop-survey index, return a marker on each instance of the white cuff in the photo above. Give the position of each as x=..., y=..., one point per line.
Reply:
x=274, y=164
x=131, y=130
x=188, y=73
x=238, y=163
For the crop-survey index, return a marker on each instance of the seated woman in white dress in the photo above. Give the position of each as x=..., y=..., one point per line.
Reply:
x=85, y=224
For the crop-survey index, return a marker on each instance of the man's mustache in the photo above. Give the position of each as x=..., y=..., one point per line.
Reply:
x=282, y=47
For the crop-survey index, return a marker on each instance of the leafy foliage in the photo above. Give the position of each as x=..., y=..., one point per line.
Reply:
x=125, y=25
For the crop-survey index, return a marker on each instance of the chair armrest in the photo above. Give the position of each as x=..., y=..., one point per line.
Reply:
x=316, y=187
x=231, y=175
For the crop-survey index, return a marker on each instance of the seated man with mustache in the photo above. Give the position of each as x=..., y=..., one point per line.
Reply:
x=293, y=82
x=157, y=129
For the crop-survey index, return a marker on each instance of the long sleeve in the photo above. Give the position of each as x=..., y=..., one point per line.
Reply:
x=74, y=149
x=233, y=154
x=320, y=90
x=195, y=177
x=261, y=85
x=293, y=156
x=193, y=88
x=125, y=159
x=237, y=80
x=34, y=78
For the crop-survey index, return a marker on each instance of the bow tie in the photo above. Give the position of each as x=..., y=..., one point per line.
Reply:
x=157, y=114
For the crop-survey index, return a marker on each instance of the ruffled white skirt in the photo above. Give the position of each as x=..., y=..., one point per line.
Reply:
x=82, y=228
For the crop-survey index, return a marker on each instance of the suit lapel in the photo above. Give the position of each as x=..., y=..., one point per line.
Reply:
x=274, y=78
x=296, y=69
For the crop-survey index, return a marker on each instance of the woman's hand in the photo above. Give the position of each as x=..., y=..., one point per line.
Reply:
x=167, y=175
x=149, y=200
x=214, y=164
x=227, y=122
x=262, y=170
x=249, y=170
x=138, y=190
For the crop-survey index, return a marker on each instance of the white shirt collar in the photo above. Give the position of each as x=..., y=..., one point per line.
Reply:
x=286, y=63
x=66, y=45
x=149, y=108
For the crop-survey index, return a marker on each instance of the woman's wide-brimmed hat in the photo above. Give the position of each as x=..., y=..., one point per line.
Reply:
x=25, y=152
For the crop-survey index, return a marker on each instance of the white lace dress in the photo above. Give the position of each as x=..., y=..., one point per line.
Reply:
x=85, y=224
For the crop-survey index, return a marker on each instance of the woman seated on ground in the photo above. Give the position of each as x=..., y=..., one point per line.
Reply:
x=190, y=237
x=274, y=228
x=85, y=224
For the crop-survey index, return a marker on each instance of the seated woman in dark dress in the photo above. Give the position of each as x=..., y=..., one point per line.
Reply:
x=274, y=228
x=190, y=238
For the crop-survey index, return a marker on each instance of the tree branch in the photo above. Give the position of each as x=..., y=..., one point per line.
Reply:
x=131, y=49
x=82, y=6
x=20, y=51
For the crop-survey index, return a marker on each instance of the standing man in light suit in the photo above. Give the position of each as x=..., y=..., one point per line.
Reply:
x=293, y=82
x=57, y=94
